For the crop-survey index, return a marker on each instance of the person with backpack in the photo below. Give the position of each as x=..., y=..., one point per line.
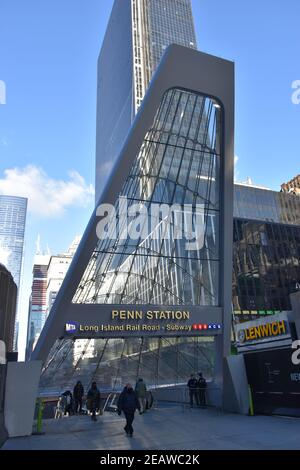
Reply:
x=78, y=393
x=128, y=403
x=93, y=400
x=141, y=390
x=201, y=388
x=192, y=386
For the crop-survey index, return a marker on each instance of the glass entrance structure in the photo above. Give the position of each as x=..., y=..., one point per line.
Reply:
x=178, y=166
x=149, y=289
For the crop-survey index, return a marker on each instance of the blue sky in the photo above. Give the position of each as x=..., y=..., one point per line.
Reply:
x=48, y=58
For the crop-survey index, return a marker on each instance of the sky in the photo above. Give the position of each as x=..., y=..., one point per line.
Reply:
x=48, y=63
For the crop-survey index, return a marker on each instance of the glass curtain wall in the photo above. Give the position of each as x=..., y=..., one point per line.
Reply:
x=178, y=164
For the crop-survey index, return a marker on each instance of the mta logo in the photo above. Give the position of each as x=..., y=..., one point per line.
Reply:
x=71, y=327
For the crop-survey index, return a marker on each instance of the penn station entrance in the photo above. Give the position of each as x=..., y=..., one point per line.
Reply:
x=163, y=346
x=148, y=293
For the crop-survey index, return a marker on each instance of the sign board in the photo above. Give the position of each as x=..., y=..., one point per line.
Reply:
x=263, y=333
x=132, y=320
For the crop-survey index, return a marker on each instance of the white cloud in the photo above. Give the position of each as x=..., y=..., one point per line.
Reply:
x=47, y=197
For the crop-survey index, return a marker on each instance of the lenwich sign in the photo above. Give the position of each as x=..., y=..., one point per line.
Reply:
x=263, y=333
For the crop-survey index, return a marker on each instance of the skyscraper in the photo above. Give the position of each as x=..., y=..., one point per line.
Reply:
x=48, y=275
x=8, y=299
x=137, y=35
x=57, y=270
x=12, y=229
x=38, y=300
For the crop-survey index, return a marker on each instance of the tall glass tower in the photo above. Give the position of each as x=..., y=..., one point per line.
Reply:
x=137, y=35
x=12, y=229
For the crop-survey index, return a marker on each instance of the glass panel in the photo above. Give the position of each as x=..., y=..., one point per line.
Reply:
x=170, y=260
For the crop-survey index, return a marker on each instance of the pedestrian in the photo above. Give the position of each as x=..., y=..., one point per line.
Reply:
x=201, y=386
x=192, y=386
x=128, y=402
x=68, y=402
x=78, y=393
x=93, y=400
x=141, y=391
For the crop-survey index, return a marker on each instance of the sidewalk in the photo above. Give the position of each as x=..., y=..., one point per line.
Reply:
x=168, y=427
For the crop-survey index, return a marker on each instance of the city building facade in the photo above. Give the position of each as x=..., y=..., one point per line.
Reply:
x=56, y=271
x=38, y=301
x=13, y=211
x=137, y=35
x=292, y=186
x=48, y=275
x=8, y=304
x=266, y=251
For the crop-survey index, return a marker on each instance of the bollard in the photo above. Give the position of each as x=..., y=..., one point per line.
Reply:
x=39, y=421
x=251, y=410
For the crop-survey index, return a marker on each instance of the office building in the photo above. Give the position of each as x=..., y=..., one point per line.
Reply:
x=292, y=186
x=56, y=271
x=12, y=228
x=48, y=275
x=8, y=304
x=38, y=301
x=266, y=251
x=13, y=211
x=137, y=35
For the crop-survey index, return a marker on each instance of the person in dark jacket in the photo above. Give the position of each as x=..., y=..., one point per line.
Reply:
x=93, y=399
x=201, y=386
x=78, y=393
x=141, y=391
x=128, y=403
x=192, y=386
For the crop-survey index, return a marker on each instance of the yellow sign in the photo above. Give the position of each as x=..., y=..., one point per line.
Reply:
x=124, y=315
x=267, y=330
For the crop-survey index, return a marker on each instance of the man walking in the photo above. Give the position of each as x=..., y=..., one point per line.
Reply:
x=78, y=393
x=128, y=403
x=192, y=386
x=93, y=399
x=141, y=390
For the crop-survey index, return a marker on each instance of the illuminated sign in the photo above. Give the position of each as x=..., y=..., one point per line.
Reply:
x=127, y=320
x=267, y=330
x=150, y=315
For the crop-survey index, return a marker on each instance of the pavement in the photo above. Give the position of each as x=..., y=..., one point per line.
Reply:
x=167, y=427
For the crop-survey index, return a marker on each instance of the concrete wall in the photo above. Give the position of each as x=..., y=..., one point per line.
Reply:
x=236, y=392
x=3, y=431
x=22, y=381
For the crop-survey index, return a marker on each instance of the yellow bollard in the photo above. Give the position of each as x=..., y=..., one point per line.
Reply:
x=39, y=421
x=251, y=409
